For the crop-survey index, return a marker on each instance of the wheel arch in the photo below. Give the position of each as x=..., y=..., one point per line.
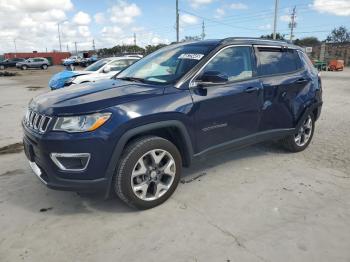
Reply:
x=173, y=130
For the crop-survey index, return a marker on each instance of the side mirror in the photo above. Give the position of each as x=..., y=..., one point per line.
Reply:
x=107, y=69
x=211, y=77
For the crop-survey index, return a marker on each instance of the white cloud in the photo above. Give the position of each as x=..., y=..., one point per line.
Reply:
x=100, y=18
x=219, y=12
x=238, y=6
x=285, y=18
x=32, y=23
x=36, y=5
x=265, y=27
x=199, y=3
x=335, y=7
x=82, y=18
x=187, y=19
x=123, y=12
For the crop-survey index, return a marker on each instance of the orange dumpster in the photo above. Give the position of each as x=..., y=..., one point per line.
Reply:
x=335, y=65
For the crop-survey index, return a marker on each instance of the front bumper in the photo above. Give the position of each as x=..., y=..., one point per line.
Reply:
x=39, y=147
x=54, y=182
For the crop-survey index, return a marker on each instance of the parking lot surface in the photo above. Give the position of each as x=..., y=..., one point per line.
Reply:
x=256, y=204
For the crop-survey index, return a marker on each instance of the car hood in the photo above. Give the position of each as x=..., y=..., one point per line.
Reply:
x=58, y=80
x=92, y=97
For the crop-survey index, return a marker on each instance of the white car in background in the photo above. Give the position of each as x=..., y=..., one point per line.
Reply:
x=102, y=69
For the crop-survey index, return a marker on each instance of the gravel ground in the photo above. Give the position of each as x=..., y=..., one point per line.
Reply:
x=256, y=204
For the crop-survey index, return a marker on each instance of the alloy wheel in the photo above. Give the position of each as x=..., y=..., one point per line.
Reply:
x=153, y=174
x=304, y=132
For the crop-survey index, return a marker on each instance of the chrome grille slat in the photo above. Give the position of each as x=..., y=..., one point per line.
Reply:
x=36, y=121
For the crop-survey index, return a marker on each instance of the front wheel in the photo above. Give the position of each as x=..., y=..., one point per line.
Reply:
x=2, y=67
x=299, y=141
x=148, y=173
x=24, y=67
x=44, y=67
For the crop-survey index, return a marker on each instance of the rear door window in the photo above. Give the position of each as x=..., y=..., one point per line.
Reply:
x=278, y=61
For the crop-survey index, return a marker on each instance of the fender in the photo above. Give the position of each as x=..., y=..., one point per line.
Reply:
x=308, y=109
x=138, y=130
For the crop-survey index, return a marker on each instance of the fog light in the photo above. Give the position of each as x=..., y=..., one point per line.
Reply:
x=71, y=161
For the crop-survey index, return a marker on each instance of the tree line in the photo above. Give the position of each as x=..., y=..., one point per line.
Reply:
x=128, y=49
x=338, y=35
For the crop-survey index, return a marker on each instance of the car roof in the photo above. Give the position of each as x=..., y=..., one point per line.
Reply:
x=243, y=41
x=122, y=57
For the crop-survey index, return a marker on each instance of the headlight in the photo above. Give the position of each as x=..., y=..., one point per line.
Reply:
x=81, y=123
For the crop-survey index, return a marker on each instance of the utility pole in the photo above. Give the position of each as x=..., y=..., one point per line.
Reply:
x=177, y=22
x=59, y=36
x=67, y=48
x=14, y=41
x=76, y=49
x=93, y=45
x=292, y=23
x=134, y=39
x=203, y=31
x=275, y=20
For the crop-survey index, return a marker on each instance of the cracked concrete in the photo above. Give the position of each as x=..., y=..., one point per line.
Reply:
x=256, y=204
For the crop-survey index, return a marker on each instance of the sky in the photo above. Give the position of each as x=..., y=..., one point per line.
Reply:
x=29, y=25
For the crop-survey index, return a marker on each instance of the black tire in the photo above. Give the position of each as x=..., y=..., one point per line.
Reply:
x=134, y=151
x=2, y=67
x=290, y=143
x=24, y=67
x=44, y=67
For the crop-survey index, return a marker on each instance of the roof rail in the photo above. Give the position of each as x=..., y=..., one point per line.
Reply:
x=231, y=39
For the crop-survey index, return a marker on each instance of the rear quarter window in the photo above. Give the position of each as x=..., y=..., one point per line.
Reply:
x=306, y=62
x=278, y=61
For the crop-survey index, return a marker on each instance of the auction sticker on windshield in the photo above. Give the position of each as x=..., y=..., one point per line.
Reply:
x=191, y=56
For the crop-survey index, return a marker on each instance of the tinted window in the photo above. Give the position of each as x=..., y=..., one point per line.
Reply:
x=235, y=62
x=306, y=61
x=277, y=61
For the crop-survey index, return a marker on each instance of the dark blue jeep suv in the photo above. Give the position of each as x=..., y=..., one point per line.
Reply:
x=132, y=134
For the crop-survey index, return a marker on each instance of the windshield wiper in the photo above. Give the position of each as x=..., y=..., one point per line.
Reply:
x=133, y=79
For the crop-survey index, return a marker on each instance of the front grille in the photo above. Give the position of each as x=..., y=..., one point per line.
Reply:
x=37, y=121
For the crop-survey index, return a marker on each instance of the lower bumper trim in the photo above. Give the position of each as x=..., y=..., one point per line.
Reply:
x=37, y=171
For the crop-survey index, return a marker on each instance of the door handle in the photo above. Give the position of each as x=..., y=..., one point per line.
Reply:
x=301, y=81
x=251, y=89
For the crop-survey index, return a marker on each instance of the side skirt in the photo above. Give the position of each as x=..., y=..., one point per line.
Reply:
x=248, y=140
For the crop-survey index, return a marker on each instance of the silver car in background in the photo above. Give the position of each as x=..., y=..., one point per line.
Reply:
x=36, y=62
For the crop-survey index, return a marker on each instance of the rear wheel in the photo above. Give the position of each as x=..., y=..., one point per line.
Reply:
x=44, y=67
x=300, y=141
x=2, y=67
x=148, y=173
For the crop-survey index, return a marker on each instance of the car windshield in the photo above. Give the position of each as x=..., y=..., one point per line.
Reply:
x=97, y=65
x=166, y=65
